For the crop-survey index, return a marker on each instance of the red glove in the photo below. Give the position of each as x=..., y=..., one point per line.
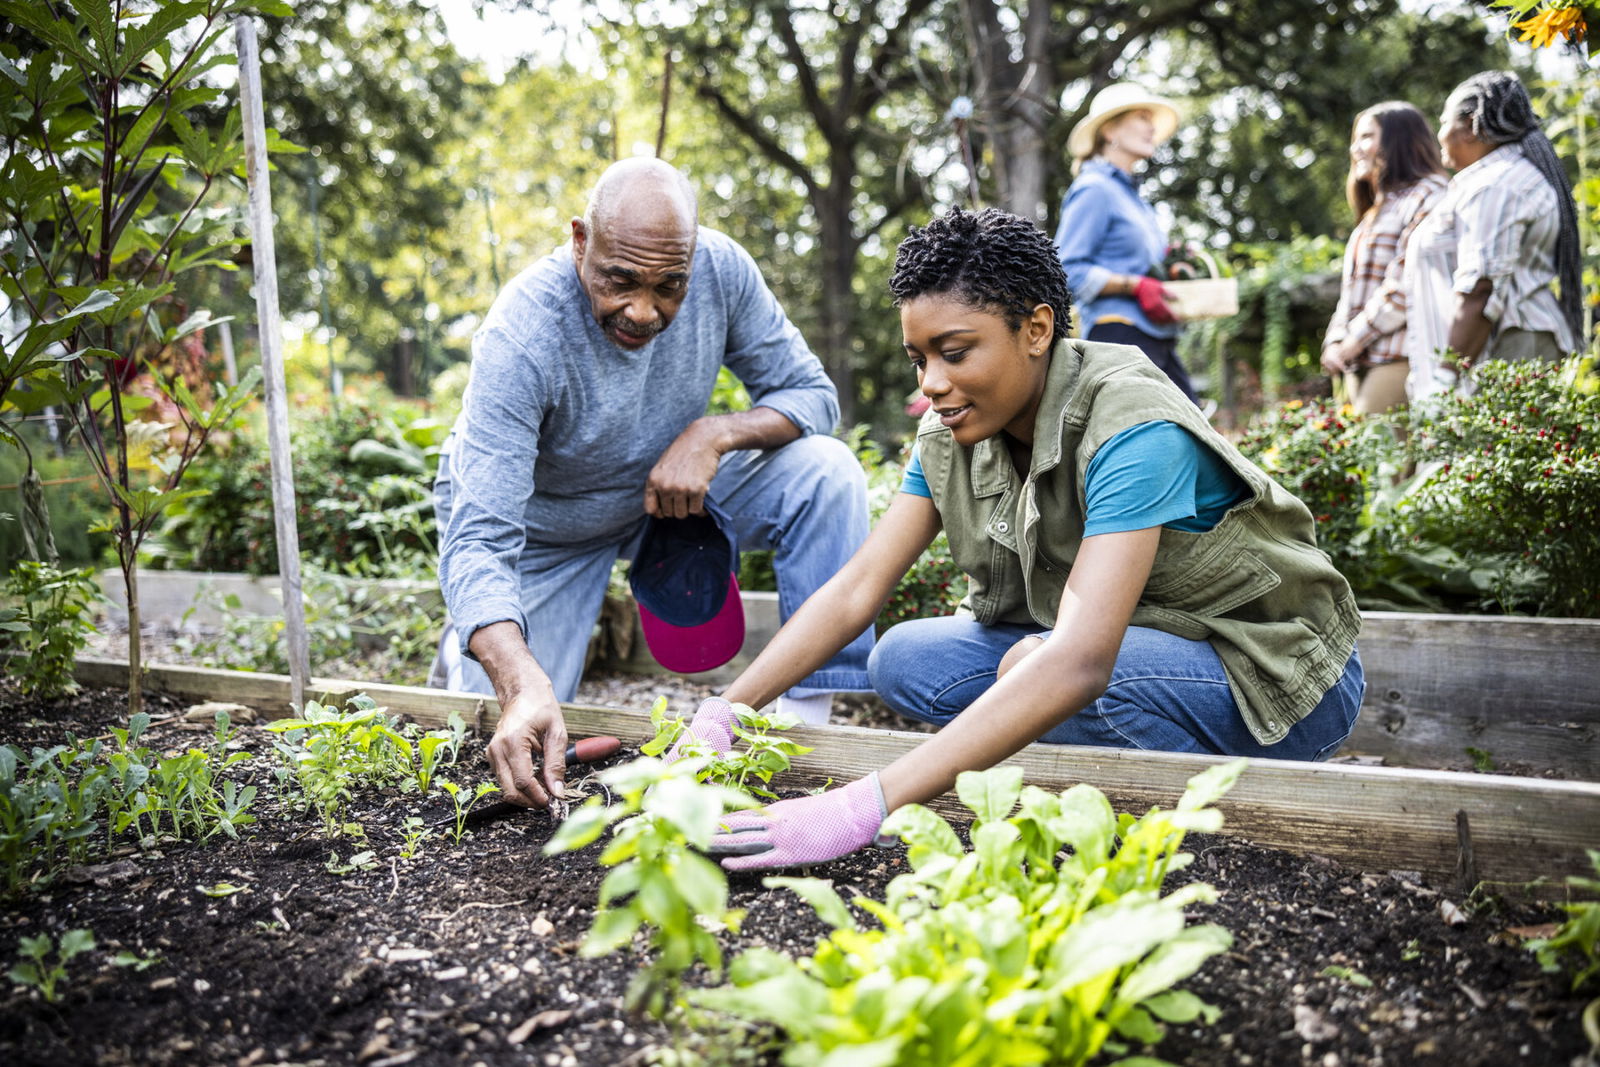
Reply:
x=1152, y=297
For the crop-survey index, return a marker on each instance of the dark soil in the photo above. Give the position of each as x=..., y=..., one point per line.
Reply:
x=468, y=954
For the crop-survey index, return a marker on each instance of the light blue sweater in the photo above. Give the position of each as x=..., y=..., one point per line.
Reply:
x=560, y=426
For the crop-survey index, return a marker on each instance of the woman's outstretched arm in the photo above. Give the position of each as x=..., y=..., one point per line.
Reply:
x=1042, y=683
x=834, y=615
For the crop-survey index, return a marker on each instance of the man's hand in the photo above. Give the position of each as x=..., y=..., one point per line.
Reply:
x=531, y=731
x=805, y=830
x=678, y=482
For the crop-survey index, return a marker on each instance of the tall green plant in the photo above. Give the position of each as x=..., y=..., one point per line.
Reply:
x=113, y=145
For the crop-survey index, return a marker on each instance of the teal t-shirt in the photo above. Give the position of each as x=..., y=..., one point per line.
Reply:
x=1152, y=474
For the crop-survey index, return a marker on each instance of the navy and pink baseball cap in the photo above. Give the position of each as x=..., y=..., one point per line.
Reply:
x=685, y=580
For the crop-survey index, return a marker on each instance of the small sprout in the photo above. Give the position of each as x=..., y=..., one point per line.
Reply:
x=1345, y=974
x=416, y=833
x=1482, y=761
x=361, y=861
x=222, y=889
x=1411, y=952
x=32, y=972
x=139, y=963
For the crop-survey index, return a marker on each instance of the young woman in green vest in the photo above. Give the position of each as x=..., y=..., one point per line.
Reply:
x=1134, y=580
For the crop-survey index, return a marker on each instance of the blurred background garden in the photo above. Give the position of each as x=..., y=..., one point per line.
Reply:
x=426, y=152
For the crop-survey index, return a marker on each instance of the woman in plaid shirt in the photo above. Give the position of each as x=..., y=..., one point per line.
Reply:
x=1396, y=178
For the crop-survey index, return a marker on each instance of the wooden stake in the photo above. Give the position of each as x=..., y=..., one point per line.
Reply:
x=266, y=271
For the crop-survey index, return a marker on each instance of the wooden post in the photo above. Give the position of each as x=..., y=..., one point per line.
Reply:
x=266, y=270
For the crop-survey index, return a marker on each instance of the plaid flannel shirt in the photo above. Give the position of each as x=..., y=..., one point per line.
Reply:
x=1372, y=300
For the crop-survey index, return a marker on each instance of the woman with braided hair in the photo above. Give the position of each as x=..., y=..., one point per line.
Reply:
x=1479, y=268
x=1135, y=581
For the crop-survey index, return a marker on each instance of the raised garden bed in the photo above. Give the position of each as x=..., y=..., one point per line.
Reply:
x=466, y=954
x=1443, y=691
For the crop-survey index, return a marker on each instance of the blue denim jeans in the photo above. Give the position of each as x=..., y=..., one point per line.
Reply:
x=805, y=501
x=1167, y=693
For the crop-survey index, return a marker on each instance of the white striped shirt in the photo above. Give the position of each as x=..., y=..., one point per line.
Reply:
x=1498, y=220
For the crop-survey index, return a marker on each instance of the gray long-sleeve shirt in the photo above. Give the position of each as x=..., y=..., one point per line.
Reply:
x=561, y=427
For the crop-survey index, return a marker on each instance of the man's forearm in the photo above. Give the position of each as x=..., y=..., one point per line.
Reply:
x=508, y=663
x=758, y=428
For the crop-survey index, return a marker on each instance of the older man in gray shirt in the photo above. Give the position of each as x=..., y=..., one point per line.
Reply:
x=585, y=412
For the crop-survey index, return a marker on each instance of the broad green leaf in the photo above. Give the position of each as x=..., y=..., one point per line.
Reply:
x=925, y=831
x=75, y=941
x=694, y=811
x=1137, y=1025
x=702, y=884
x=613, y=928
x=991, y=794
x=1176, y=1006
x=998, y=846
x=1211, y=784
x=1172, y=962
x=823, y=898
x=1110, y=936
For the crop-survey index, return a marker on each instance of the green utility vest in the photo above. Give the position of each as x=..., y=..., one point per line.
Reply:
x=1282, y=619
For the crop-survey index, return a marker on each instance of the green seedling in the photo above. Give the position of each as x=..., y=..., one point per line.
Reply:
x=660, y=881
x=757, y=754
x=1345, y=974
x=464, y=803
x=221, y=889
x=35, y=971
x=415, y=832
x=1575, y=946
x=365, y=860
x=1412, y=951
x=139, y=963
x=1482, y=761
x=51, y=623
x=328, y=753
x=1047, y=942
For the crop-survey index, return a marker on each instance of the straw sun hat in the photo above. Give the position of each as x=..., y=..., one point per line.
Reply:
x=1116, y=100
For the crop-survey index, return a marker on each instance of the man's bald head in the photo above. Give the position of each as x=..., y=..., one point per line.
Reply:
x=633, y=250
x=642, y=192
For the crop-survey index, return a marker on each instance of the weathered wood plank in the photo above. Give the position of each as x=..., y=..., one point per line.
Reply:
x=1376, y=818
x=1522, y=690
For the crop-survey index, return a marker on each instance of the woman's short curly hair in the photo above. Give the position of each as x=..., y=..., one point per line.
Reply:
x=992, y=260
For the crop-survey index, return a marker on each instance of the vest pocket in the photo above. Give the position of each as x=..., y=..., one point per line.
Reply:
x=1214, y=585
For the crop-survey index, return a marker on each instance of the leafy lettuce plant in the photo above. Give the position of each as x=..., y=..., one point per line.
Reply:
x=659, y=880
x=327, y=753
x=35, y=970
x=1575, y=945
x=749, y=768
x=51, y=619
x=1047, y=942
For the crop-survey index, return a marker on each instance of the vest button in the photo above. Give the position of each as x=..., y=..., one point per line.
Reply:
x=1002, y=526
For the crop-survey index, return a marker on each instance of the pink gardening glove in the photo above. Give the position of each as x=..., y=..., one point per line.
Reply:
x=814, y=829
x=712, y=725
x=1152, y=296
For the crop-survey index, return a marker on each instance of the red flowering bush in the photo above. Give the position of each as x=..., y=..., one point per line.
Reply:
x=1511, y=478
x=1499, y=508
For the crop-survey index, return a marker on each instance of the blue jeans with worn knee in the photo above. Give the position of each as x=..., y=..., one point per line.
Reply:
x=1166, y=693
x=806, y=502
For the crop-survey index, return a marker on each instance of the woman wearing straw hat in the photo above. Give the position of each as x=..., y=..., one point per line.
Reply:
x=1109, y=237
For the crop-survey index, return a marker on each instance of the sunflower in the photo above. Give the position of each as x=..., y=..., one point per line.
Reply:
x=1550, y=25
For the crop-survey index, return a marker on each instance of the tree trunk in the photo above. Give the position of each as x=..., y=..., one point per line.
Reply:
x=130, y=584
x=838, y=294
x=1015, y=99
x=401, y=378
